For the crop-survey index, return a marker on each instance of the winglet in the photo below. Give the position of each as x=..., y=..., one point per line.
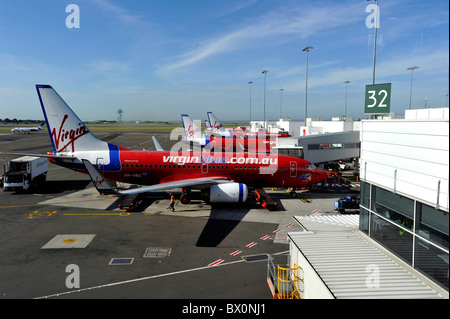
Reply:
x=103, y=186
x=158, y=146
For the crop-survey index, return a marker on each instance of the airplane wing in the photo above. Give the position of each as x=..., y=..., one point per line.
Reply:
x=199, y=182
x=157, y=145
x=57, y=156
x=104, y=187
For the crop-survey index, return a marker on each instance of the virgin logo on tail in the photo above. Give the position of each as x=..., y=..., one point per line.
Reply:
x=98, y=182
x=216, y=127
x=67, y=137
x=190, y=132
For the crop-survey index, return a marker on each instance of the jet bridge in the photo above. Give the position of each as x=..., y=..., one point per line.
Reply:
x=320, y=148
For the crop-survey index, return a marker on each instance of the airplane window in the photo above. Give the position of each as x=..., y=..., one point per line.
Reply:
x=160, y=166
x=235, y=167
x=170, y=166
x=214, y=167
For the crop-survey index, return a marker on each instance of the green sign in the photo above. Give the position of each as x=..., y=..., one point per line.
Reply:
x=378, y=99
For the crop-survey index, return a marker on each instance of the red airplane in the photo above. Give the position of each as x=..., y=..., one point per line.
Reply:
x=222, y=176
x=216, y=127
x=222, y=140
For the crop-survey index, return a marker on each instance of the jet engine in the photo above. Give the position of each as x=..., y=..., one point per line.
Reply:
x=228, y=193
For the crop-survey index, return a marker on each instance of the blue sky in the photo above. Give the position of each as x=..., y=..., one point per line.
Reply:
x=157, y=59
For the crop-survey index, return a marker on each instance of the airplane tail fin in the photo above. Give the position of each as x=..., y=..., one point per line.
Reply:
x=67, y=132
x=192, y=131
x=216, y=126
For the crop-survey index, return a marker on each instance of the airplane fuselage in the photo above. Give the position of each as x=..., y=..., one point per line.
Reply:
x=252, y=144
x=154, y=167
x=240, y=132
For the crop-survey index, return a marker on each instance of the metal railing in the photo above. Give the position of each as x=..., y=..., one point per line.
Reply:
x=285, y=282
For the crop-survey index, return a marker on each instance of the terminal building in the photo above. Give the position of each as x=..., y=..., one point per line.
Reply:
x=313, y=126
x=398, y=246
x=318, y=141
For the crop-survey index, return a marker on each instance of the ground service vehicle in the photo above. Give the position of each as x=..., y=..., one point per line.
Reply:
x=23, y=172
x=347, y=202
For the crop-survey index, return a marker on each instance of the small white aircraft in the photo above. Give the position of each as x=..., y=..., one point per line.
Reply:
x=27, y=130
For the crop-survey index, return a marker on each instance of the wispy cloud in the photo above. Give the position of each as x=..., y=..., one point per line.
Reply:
x=240, y=6
x=22, y=63
x=124, y=16
x=300, y=22
x=107, y=65
x=388, y=69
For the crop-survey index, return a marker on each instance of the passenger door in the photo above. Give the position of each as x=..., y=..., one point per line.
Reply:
x=293, y=169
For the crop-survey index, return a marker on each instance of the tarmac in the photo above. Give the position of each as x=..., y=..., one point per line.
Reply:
x=67, y=241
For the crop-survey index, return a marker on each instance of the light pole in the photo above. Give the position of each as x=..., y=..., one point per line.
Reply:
x=410, y=89
x=306, y=87
x=264, y=72
x=346, y=90
x=281, y=103
x=375, y=40
x=250, y=83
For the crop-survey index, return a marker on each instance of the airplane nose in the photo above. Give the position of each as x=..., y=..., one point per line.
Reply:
x=319, y=176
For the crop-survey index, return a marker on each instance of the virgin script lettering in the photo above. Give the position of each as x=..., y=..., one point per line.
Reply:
x=67, y=137
x=191, y=132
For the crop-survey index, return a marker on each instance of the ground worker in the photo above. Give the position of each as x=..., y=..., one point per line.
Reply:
x=172, y=202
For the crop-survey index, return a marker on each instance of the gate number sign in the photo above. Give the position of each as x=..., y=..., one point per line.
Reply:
x=378, y=99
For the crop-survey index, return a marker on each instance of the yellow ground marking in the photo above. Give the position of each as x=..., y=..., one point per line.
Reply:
x=61, y=203
x=155, y=213
x=38, y=214
x=69, y=240
x=99, y=214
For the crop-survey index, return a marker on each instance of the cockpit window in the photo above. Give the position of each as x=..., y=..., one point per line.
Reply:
x=310, y=166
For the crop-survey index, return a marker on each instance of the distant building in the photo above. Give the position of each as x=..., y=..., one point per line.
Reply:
x=314, y=126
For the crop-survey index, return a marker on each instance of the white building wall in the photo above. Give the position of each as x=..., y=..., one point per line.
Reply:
x=293, y=127
x=314, y=126
x=431, y=113
x=313, y=286
x=409, y=157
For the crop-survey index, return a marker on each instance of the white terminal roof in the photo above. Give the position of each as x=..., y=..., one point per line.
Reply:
x=344, y=258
